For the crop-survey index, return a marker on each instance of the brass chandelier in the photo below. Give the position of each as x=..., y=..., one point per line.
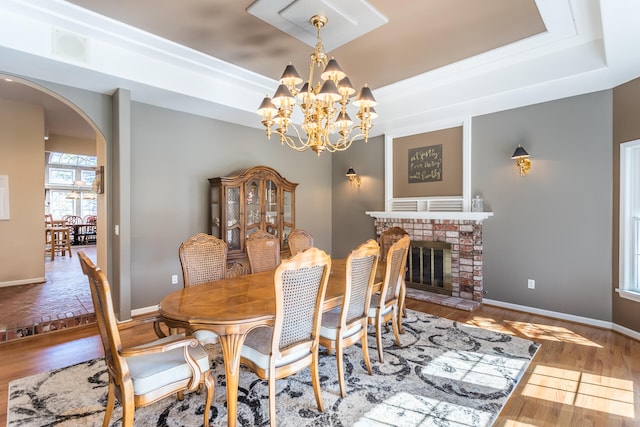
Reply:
x=324, y=107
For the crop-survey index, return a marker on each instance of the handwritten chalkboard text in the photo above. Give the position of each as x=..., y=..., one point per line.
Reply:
x=425, y=164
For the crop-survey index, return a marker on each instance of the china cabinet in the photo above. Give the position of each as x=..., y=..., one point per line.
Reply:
x=258, y=198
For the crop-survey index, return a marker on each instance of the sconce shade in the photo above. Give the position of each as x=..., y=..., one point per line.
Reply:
x=522, y=160
x=520, y=152
x=353, y=177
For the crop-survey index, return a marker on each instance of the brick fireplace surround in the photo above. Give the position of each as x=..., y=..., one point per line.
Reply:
x=464, y=232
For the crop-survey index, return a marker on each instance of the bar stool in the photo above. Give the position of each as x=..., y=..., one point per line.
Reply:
x=57, y=239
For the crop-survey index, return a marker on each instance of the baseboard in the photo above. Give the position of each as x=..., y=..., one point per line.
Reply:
x=626, y=331
x=144, y=311
x=564, y=316
x=31, y=281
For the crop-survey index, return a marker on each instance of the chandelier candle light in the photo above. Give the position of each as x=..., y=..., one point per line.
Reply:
x=324, y=106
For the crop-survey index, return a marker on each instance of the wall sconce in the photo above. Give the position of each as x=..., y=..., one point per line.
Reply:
x=353, y=177
x=522, y=160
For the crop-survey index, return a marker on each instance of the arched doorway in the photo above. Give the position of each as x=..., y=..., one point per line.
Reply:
x=65, y=122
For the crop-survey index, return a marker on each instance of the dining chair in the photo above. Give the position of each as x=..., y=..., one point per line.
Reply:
x=299, y=240
x=144, y=374
x=384, y=305
x=90, y=229
x=75, y=232
x=263, y=251
x=57, y=241
x=388, y=238
x=203, y=259
x=291, y=344
x=347, y=324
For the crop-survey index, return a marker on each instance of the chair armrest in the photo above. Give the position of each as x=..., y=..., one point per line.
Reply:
x=169, y=343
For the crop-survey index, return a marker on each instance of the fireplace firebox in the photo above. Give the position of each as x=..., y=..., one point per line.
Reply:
x=429, y=267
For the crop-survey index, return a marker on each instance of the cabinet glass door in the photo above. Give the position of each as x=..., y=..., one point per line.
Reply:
x=252, y=203
x=233, y=218
x=287, y=216
x=271, y=207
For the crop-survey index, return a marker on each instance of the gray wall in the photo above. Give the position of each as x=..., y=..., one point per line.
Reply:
x=172, y=156
x=350, y=225
x=554, y=224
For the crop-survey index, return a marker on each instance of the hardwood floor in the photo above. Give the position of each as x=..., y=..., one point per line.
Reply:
x=581, y=376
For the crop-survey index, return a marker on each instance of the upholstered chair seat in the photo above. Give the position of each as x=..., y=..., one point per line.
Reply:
x=330, y=323
x=154, y=371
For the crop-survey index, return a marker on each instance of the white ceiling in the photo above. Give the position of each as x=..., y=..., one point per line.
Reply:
x=433, y=62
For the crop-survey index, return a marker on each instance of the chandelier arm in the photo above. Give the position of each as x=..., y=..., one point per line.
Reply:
x=291, y=142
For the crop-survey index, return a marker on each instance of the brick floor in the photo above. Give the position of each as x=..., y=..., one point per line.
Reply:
x=63, y=301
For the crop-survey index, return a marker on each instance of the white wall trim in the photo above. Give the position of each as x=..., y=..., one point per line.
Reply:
x=564, y=316
x=34, y=280
x=144, y=310
x=548, y=313
x=626, y=331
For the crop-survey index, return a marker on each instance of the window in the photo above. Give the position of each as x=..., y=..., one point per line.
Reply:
x=88, y=205
x=61, y=176
x=66, y=173
x=629, y=286
x=59, y=205
x=88, y=176
x=72, y=159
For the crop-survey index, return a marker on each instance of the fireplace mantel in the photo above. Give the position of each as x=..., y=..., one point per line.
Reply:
x=461, y=216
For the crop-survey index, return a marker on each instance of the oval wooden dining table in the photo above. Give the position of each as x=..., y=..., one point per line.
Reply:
x=233, y=307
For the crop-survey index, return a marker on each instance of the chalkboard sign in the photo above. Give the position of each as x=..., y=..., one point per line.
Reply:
x=425, y=164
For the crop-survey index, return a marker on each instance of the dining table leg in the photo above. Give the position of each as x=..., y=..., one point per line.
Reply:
x=231, y=347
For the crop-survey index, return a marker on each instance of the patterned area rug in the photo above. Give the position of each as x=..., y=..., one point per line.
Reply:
x=444, y=374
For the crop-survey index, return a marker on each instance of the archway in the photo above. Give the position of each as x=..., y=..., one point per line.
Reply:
x=61, y=114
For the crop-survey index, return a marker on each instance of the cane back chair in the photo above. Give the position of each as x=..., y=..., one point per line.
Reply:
x=388, y=238
x=203, y=259
x=292, y=343
x=299, y=240
x=144, y=374
x=385, y=304
x=346, y=325
x=263, y=251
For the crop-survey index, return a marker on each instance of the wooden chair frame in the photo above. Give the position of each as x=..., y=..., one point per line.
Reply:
x=385, y=305
x=121, y=383
x=352, y=314
x=286, y=298
x=388, y=238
